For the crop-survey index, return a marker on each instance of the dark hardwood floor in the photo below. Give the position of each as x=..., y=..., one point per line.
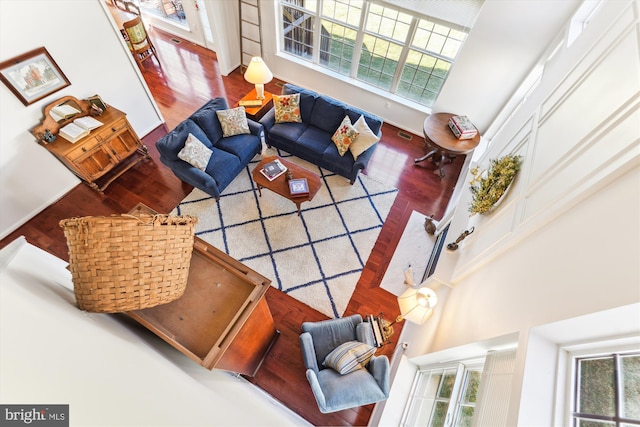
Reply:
x=189, y=76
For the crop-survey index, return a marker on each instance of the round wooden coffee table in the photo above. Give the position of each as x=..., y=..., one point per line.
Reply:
x=444, y=145
x=281, y=186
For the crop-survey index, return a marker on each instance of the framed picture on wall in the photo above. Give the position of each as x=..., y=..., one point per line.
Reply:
x=32, y=75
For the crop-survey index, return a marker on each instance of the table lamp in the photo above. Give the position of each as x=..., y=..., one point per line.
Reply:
x=416, y=306
x=258, y=73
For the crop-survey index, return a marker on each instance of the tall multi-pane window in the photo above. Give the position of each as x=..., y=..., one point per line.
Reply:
x=444, y=397
x=339, y=32
x=433, y=49
x=395, y=50
x=297, y=29
x=607, y=391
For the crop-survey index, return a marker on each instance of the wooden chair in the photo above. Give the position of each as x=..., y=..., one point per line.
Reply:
x=139, y=42
x=132, y=7
x=120, y=4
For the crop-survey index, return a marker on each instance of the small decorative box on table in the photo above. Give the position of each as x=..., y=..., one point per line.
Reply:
x=299, y=187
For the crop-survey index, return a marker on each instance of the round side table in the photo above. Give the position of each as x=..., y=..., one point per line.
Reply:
x=444, y=145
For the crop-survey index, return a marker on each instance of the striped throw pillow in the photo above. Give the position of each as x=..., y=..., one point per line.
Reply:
x=348, y=357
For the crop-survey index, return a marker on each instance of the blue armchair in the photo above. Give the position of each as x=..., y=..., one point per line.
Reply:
x=230, y=155
x=333, y=391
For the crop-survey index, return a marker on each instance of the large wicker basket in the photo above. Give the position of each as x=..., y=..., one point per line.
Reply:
x=123, y=262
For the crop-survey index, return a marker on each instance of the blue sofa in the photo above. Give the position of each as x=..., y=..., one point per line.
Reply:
x=230, y=154
x=311, y=139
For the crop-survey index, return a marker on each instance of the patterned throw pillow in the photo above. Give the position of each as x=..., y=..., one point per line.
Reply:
x=366, y=138
x=349, y=357
x=345, y=135
x=287, y=108
x=195, y=153
x=233, y=121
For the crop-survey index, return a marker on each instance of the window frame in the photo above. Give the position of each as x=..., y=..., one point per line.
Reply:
x=454, y=402
x=406, y=46
x=569, y=356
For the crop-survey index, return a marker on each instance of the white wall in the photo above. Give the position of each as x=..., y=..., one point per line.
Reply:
x=108, y=369
x=506, y=41
x=95, y=61
x=565, y=241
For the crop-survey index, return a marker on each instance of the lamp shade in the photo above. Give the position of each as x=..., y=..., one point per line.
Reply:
x=258, y=72
x=416, y=305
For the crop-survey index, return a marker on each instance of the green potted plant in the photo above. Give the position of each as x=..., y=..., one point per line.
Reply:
x=488, y=188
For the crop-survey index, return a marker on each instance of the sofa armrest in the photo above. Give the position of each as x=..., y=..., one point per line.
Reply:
x=268, y=120
x=255, y=128
x=308, y=352
x=379, y=369
x=317, y=390
x=361, y=162
x=193, y=176
x=363, y=159
x=364, y=331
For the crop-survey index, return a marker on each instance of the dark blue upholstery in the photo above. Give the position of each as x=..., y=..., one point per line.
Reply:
x=335, y=392
x=230, y=154
x=327, y=114
x=311, y=139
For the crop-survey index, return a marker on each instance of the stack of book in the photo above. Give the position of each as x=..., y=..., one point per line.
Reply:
x=299, y=187
x=381, y=332
x=273, y=169
x=462, y=127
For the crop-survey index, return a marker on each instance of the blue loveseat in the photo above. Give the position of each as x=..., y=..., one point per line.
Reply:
x=311, y=139
x=229, y=154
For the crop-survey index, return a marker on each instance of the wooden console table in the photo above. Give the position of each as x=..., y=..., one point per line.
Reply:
x=256, y=113
x=442, y=142
x=100, y=157
x=222, y=320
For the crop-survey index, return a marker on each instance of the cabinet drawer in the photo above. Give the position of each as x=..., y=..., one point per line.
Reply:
x=106, y=132
x=87, y=145
x=94, y=164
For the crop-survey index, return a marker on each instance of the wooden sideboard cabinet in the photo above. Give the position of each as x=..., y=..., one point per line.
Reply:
x=102, y=156
x=222, y=320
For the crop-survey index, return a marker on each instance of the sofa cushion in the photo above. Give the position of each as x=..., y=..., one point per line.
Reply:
x=287, y=108
x=244, y=146
x=366, y=138
x=307, y=99
x=313, y=143
x=349, y=356
x=206, y=118
x=233, y=121
x=222, y=167
x=344, y=136
x=288, y=131
x=195, y=153
x=170, y=145
x=327, y=114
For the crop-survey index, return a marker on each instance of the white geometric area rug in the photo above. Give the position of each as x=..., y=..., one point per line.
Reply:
x=316, y=257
